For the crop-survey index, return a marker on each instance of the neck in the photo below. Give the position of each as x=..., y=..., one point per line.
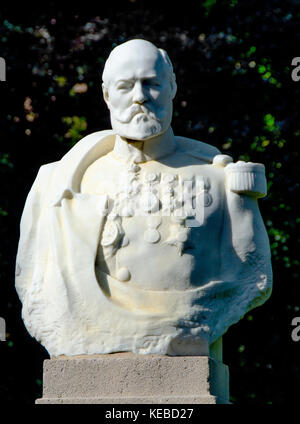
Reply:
x=143, y=151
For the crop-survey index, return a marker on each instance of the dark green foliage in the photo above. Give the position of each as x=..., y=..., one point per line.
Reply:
x=233, y=65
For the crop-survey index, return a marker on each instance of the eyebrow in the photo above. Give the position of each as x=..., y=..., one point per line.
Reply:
x=133, y=79
x=124, y=80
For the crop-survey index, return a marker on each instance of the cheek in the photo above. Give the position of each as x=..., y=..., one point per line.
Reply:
x=161, y=96
x=155, y=94
x=119, y=100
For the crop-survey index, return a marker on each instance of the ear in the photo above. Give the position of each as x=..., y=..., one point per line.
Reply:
x=105, y=94
x=174, y=88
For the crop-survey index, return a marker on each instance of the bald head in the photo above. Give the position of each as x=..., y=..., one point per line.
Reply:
x=138, y=52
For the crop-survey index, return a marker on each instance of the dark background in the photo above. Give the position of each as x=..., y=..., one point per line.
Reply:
x=232, y=61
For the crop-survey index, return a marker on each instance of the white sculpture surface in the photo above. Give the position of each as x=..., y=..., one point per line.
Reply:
x=138, y=240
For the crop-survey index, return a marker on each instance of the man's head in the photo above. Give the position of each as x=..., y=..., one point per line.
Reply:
x=138, y=88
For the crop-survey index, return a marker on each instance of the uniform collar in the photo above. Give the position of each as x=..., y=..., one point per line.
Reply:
x=144, y=151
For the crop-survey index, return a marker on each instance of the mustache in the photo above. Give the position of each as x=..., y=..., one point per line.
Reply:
x=129, y=114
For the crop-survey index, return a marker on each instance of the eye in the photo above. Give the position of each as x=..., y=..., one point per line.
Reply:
x=152, y=83
x=124, y=86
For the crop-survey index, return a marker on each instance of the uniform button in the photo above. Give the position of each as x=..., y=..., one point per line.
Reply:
x=123, y=274
x=125, y=241
x=151, y=235
x=110, y=234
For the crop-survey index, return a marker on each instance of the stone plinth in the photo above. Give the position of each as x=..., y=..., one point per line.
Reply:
x=126, y=378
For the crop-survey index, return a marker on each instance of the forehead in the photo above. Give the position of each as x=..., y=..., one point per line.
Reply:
x=136, y=65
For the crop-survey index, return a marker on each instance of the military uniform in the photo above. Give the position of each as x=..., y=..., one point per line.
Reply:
x=96, y=277
x=154, y=231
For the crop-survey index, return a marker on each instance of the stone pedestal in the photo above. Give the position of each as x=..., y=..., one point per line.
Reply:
x=126, y=378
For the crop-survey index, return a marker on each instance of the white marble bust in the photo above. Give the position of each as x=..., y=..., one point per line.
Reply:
x=139, y=240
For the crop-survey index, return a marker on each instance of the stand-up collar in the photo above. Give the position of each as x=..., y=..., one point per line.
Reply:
x=143, y=151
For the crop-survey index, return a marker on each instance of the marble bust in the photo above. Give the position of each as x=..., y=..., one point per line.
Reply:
x=139, y=240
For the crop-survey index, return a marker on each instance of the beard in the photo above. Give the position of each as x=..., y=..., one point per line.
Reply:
x=139, y=122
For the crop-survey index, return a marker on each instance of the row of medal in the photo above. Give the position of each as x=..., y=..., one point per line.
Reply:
x=142, y=199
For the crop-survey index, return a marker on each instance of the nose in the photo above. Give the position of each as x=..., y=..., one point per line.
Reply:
x=138, y=93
